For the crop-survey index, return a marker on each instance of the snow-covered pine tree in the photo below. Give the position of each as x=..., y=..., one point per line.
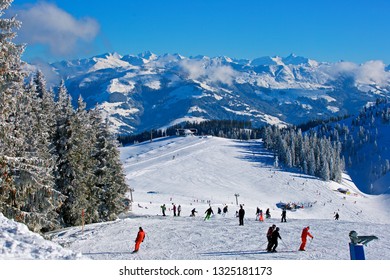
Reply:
x=83, y=195
x=47, y=105
x=11, y=78
x=111, y=184
x=25, y=189
x=64, y=173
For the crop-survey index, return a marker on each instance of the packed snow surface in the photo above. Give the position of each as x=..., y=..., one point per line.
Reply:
x=196, y=172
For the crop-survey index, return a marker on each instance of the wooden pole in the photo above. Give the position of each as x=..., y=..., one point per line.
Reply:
x=82, y=219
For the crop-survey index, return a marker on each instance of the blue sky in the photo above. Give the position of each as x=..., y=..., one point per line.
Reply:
x=324, y=30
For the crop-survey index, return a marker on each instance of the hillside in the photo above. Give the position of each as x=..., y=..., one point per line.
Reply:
x=364, y=140
x=196, y=171
x=214, y=169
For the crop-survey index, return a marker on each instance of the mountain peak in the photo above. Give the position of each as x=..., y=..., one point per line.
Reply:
x=297, y=60
x=148, y=55
x=266, y=60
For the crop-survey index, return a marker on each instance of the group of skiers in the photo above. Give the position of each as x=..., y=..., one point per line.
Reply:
x=176, y=210
x=272, y=234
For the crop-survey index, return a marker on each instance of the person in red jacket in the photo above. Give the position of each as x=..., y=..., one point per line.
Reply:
x=140, y=238
x=305, y=233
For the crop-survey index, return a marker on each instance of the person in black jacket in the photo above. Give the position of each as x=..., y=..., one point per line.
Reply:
x=284, y=215
x=274, y=240
x=193, y=211
x=241, y=214
x=225, y=210
x=208, y=213
x=269, y=235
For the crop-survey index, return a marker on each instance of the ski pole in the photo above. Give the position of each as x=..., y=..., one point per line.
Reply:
x=285, y=245
x=263, y=243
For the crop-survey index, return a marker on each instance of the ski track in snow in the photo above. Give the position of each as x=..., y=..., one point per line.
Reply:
x=213, y=169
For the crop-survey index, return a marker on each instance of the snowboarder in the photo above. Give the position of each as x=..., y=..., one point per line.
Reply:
x=178, y=210
x=274, y=240
x=305, y=233
x=208, y=213
x=336, y=216
x=267, y=214
x=193, y=211
x=140, y=238
x=284, y=212
x=225, y=210
x=163, y=208
x=269, y=234
x=241, y=214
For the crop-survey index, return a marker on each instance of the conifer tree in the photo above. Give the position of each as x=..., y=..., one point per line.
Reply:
x=26, y=192
x=81, y=195
x=110, y=177
x=64, y=172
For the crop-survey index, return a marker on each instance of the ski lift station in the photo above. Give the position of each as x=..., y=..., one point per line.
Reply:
x=186, y=131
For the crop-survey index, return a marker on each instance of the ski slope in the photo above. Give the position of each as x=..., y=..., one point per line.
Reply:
x=197, y=171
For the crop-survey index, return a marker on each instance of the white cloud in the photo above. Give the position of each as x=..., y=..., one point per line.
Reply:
x=223, y=74
x=367, y=73
x=194, y=68
x=373, y=71
x=197, y=69
x=46, y=24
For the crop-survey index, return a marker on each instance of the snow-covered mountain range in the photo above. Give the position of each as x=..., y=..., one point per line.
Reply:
x=149, y=91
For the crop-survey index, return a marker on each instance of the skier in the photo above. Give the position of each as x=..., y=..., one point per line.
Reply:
x=174, y=209
x=208, y=213
x=284, y=215
x=269, y=234
x=163, y=208
x=261, y=216
x=267, y=214
x=219, y=210
x=257, y=213
x=193, y=211
x=178, y=210
x=274, y=240
x=241, y=214
x=140, y=238
x=336, y=216
x=225, y=210
x=305, y=233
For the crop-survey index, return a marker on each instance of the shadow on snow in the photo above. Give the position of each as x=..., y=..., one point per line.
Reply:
x=231, y=253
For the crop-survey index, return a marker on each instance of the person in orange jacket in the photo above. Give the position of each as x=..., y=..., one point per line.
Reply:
x=140, y=238
x=305, y=233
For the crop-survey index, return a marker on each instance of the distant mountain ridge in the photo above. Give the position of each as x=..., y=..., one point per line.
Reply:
x=149, y=91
